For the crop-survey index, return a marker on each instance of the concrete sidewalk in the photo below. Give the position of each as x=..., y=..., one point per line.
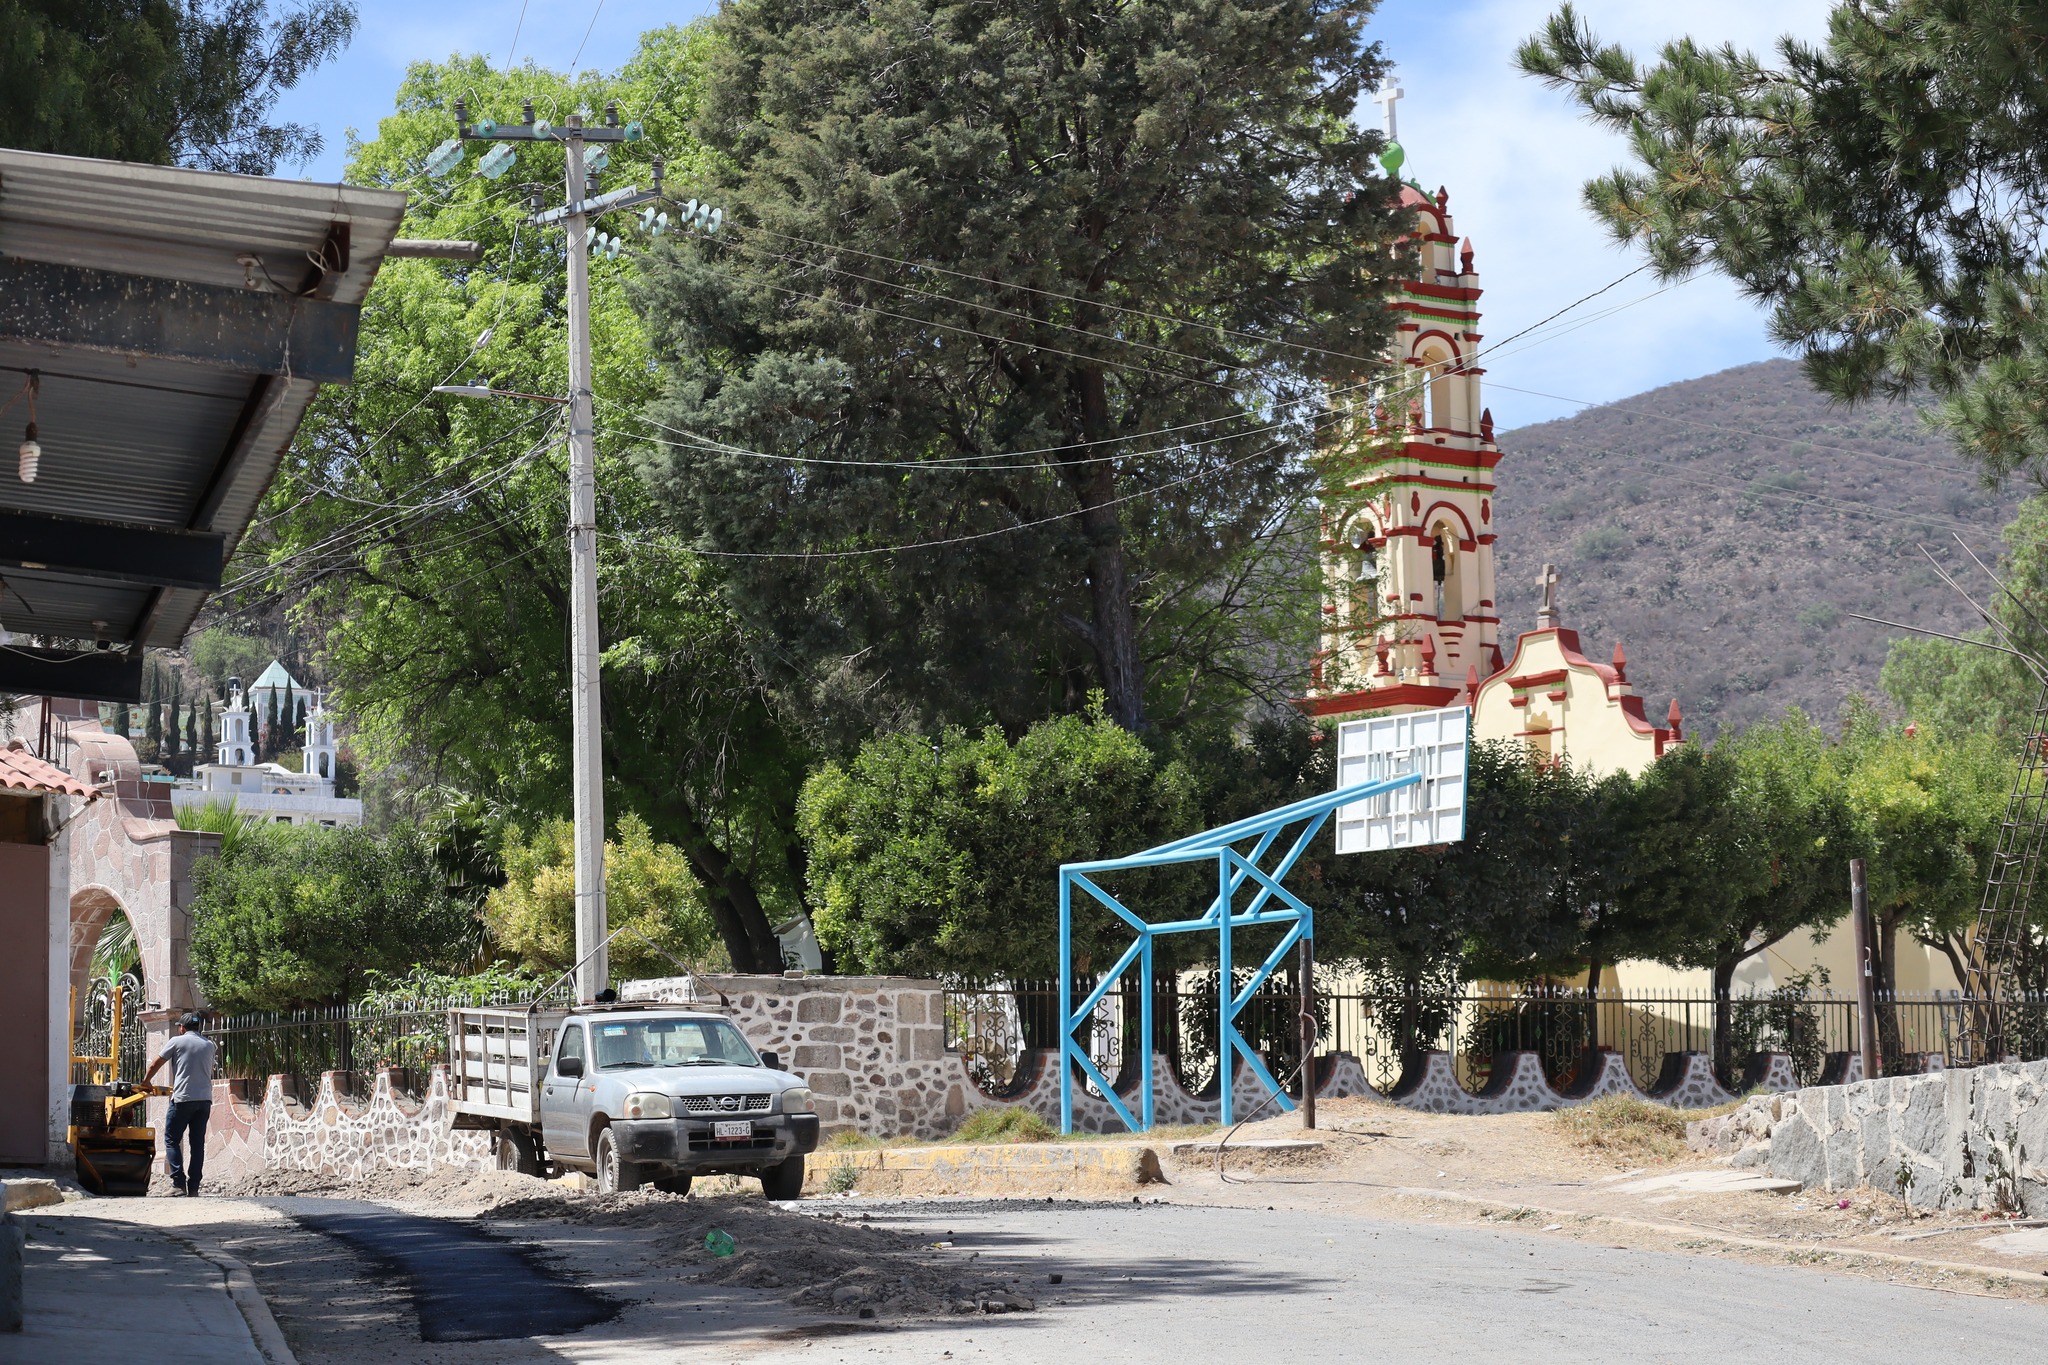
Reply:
x=98, y=1290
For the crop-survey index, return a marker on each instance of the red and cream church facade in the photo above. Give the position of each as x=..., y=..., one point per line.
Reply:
x=1411, y=616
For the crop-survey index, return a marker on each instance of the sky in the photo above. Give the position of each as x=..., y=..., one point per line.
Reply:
x=1512, y=154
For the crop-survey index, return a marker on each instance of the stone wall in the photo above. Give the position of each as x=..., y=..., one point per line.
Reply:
x=873, y=1051
x=1974, y=1138
x=354, y=1140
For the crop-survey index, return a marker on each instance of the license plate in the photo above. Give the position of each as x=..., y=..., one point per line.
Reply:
x=737, y=1128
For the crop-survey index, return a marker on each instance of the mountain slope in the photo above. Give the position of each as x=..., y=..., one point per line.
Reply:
x=1722, y=526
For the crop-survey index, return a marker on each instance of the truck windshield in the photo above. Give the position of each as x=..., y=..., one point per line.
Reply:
x=670, y=1042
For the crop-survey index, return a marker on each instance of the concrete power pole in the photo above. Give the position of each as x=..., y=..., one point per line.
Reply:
x=580, y=206
x=593, y=969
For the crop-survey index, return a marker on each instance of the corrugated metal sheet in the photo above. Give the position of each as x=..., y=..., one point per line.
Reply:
x=140, y=438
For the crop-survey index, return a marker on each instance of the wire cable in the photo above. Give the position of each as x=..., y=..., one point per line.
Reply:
x=978, y=535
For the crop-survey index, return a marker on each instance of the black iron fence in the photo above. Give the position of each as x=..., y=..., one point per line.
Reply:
x=994, y=1026
x=357, y=1041
x=93, y=1032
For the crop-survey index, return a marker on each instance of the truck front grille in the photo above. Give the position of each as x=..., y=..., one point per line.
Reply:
x=725, y=1104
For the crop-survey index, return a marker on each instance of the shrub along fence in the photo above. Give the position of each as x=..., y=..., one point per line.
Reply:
x=994, y=1025
x=359, y=1040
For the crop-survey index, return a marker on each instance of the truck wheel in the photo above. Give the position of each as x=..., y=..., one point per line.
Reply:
x=673, y=1184
x=785, y=1181
x=614, y=1175
x=516, y=1152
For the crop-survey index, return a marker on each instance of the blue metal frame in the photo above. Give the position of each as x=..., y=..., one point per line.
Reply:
x=1234, y=868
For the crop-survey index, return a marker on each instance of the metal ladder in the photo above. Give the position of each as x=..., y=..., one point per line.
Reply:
x=2002, y=917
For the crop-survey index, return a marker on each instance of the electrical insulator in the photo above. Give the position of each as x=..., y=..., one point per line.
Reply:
x=444, y=158
x=496, y=161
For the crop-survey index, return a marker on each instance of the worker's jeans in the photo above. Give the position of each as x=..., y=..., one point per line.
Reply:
x=186, y=1116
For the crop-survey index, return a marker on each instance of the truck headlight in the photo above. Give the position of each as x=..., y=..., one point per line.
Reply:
x=797, y=1100
x=648, y=1104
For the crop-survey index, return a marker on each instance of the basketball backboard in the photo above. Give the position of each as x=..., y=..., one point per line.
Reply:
x=1432, y=743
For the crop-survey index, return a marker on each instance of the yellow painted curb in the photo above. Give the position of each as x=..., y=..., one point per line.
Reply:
x=1027, y=1168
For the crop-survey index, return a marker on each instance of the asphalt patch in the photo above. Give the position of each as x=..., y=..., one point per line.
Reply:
x=466, y=1285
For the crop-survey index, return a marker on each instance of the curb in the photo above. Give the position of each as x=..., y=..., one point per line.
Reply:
x=264, y=1332
x=991, y=1169
x=2033, y=1278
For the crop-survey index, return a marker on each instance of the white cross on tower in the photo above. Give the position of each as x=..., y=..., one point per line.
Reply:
x=1546, y=616
x=1388, y=95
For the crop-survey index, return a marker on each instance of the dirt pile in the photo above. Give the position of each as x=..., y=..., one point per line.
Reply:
x=825, y=1261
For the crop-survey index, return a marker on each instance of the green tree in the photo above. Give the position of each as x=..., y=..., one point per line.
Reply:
x=219, y=654
x=153, y=714
x=1929, y=806
x=1955, y=687
x=163, y=81
x=291, y=915
x=1882, y=191
x=650, y=892
x=1098, y=234
x=446, y=624
x=173, y=720
x=1779, y=852
x=942, y=857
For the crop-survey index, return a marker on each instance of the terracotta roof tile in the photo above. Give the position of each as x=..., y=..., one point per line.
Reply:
x=22, y=771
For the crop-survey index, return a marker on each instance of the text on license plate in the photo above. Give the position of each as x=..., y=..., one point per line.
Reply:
x=733, y=1128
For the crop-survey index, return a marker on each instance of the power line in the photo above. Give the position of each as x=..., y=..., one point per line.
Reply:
x=1673, y=470
x=586, y=38
x=1588, y=403
x=517, y=29
x=978, y=535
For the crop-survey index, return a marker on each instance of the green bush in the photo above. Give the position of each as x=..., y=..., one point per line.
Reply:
x=1011, y=1124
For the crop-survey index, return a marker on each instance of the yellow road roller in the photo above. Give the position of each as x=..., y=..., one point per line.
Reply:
x=112, y=1144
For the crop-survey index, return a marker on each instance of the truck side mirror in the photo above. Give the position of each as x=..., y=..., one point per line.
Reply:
x=772, y=1060
x=568, y=1066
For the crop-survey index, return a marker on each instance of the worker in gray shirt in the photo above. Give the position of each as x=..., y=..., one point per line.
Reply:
x=190, y=1055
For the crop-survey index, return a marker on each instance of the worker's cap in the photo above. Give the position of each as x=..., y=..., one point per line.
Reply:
x=192, y=1021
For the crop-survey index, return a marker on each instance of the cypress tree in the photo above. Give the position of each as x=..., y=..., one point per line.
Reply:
x=153, y=714
x=171, y=733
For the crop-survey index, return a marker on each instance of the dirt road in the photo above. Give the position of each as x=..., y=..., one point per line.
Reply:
x=1400, y=1234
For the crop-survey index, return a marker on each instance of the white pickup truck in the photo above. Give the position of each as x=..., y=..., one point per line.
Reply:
x=636, y=1094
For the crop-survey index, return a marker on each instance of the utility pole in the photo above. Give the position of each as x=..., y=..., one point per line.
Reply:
x=1306, y=966
x=1866, y=976
x=580, y=205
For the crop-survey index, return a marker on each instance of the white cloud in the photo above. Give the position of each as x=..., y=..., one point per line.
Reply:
x=1514, y=155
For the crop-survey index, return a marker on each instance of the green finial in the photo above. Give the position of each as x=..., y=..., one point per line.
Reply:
x=1392, y=157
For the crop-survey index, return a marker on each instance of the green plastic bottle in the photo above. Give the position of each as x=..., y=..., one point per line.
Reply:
x=719, y=1242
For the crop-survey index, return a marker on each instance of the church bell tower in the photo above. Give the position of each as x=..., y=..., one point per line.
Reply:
x=1409, y=614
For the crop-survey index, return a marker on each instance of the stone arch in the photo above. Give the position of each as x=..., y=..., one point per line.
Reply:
x=93, y=908
x=1440, y=361
x=1447, y=568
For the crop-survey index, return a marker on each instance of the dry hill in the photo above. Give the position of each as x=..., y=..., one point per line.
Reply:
x=1720, y=527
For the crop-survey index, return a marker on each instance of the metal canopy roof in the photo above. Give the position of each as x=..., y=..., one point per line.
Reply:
x=180, y=323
